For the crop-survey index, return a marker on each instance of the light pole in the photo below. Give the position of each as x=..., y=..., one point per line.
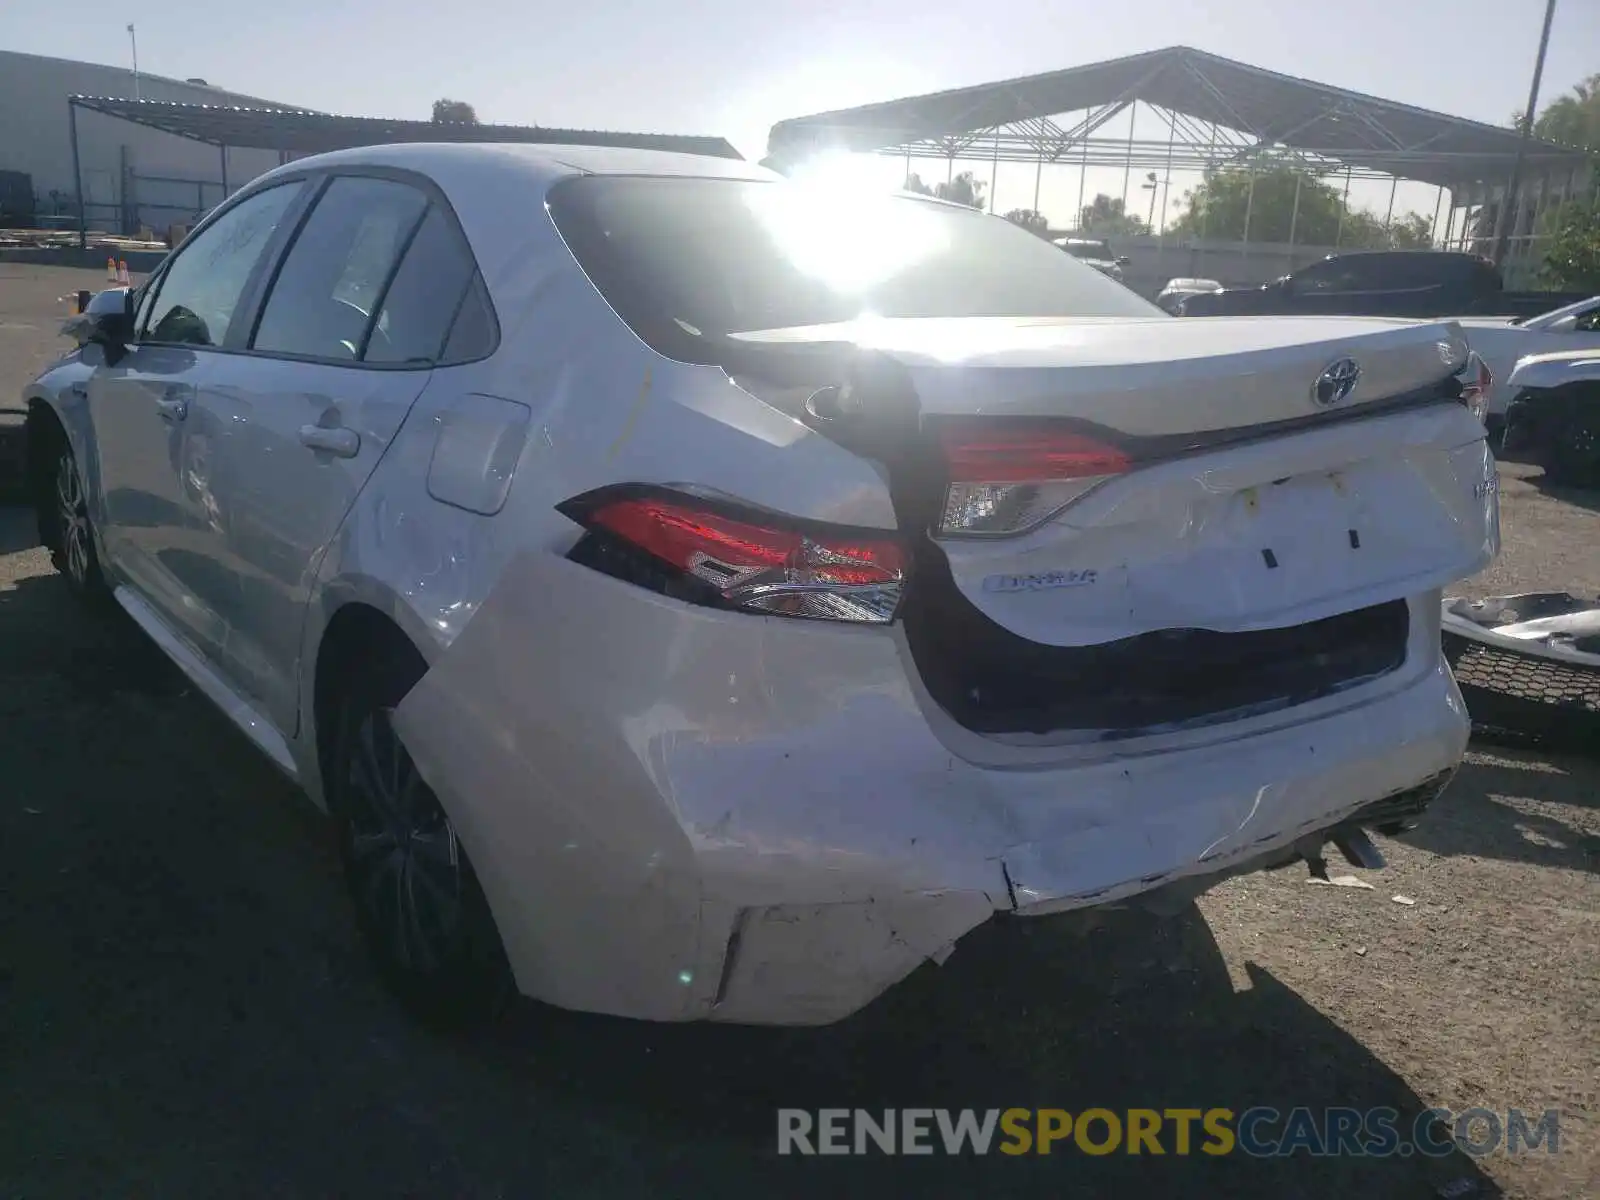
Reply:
x=1150, y=185
x=133, y=42
x=1503, y=220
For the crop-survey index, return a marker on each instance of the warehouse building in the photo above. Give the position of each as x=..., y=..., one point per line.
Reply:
x=133, y=175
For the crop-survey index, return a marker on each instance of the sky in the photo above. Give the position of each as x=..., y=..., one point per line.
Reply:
x=734, y=67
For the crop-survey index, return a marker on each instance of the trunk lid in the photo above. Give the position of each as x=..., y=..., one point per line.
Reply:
x=1145, y=378
x=1248, y=506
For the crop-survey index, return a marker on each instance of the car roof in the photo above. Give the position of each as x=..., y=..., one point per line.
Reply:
x=447, y=161
x=1438, y=254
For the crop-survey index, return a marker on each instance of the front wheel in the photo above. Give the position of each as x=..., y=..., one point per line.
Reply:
x=418, y=902
x=63, y=510
x=1574, y=457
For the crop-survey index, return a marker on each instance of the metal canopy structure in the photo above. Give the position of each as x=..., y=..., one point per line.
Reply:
x=1217, y=109
x=296, y=132
x=299, y=131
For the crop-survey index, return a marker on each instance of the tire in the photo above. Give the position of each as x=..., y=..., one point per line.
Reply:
x=64, y=525
x=418, y=902
x=1574, y=456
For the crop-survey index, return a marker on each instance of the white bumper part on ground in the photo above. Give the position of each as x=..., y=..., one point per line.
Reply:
x=678, y=813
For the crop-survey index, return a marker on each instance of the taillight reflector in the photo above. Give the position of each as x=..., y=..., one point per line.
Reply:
x=752, y=561
x=1008, y=477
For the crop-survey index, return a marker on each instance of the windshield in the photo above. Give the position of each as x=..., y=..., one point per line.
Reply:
x=1097, y=250
x=688, y=262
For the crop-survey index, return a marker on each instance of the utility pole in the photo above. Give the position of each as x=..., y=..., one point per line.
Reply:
x=1509, y=201
x=133, y=42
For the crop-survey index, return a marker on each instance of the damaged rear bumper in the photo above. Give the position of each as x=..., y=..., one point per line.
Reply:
x=681, y=814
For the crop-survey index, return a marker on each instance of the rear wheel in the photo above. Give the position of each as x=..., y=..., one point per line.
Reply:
x=417, y=900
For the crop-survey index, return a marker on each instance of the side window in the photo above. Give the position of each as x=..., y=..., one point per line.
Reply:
x=423, y=298
x=473, y=334
x=195, y=301
x=1376, y=273
x=1587, y=322
x=1332, y=276
x=1419, y=269
x=321, y=303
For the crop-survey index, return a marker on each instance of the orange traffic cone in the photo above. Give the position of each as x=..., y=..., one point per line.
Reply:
x=122, y=274
x=111, y=270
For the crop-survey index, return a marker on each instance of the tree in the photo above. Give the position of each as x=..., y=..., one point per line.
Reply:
x=1573, y=119
x=1030, y=219
x=1218, y=207
x=1105, y=217
x=1572, y=258
x=454, y=111
x=1411, y=232
x=963, y=189
x=1319, y=217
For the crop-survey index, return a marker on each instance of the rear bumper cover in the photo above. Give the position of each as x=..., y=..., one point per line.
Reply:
x=680, y=814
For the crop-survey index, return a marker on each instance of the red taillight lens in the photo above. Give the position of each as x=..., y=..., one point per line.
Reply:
x=1026, y=456
x=1008, y=478
x=1476, y=382
x=753, y=561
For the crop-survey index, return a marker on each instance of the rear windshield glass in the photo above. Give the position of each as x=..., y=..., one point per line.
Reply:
x=687, y=262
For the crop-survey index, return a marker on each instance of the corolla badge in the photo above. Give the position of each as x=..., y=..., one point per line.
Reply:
x=1336, y=383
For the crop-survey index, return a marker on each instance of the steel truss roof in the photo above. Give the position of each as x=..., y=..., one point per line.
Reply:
x=1201, y=94
x=298, y=131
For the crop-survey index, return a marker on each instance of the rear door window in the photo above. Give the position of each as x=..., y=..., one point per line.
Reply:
x=422, y=301
x=323, y=302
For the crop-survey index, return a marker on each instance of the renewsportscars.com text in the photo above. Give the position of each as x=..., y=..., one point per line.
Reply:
x=1259, y=1132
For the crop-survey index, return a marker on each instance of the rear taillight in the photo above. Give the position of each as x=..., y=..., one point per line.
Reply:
x=1476, y=382
x=721, y=554
x=1006, y=478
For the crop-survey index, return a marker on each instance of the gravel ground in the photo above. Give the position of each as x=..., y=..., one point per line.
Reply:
x=185, y=1010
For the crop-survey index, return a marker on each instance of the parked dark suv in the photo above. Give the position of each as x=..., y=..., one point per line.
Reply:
x=1381, y=283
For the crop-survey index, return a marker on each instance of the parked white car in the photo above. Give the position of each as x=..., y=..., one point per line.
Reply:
x=1503, y=340
x=699, y=597
x=1096, y=252
x=1178, y=290
x=1554, y=415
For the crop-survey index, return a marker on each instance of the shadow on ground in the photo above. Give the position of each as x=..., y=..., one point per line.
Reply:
x=188, y=1011
x=18, y=528
x=1579, y=497
x=1479, y=813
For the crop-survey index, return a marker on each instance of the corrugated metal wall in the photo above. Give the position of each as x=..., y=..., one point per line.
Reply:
x=131, y=175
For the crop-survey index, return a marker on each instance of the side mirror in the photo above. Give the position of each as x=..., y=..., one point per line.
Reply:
x=106, y=321
x=1123, y=260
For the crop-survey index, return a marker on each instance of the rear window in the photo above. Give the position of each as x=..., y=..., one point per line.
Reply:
x=688, y=262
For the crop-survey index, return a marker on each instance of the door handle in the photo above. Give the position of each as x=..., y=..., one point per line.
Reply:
x=172, y=408
x=338, y=441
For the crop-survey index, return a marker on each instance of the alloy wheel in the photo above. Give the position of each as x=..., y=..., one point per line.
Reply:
x=404, y=859
x=72, y=512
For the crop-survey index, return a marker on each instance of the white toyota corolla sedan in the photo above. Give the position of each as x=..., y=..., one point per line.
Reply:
x=700, y=594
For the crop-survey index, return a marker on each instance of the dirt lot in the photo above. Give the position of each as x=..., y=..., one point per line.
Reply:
x=185, y=1010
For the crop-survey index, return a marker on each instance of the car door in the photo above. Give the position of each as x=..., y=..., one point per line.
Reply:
x=349, y=330
x=1323, y=287
x=139, y=407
